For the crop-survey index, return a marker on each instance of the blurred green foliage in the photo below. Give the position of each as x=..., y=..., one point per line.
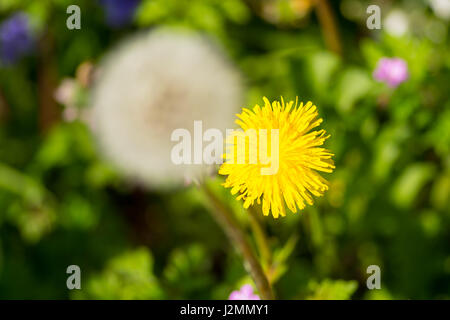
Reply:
x=388, y=203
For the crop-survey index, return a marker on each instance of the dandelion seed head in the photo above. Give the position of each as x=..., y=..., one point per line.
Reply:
x=152, y=85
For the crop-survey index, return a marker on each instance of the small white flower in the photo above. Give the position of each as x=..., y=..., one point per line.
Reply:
x=65, y=93
x=396, y=23
x=152, y=85
x=441, y=8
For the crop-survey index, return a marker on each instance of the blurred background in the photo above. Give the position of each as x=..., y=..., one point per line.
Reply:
x=62, y=203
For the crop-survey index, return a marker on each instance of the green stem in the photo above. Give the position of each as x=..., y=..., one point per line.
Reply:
x=234, y=232
x=260, y=236
x=329, y=26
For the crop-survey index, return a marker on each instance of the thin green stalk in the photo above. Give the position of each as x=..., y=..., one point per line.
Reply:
x=226, y=220
x=260, y=236
x=329, y=27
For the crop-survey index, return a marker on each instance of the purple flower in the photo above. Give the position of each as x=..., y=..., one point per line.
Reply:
x=119, y=12
x=16, y=38
x=245, y=293
x=392, y=71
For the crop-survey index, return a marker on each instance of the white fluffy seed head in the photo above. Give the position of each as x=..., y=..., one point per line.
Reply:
x=156, y=83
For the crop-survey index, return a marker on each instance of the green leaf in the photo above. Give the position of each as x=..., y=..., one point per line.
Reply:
x=78, y=212
x=407, y=187
x=352, y=86
x=322, y=66
x=152, y=11
x=332, y=290
x=188, y=271
x=127, y=276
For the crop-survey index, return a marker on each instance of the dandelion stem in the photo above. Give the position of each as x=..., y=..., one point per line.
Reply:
x=260, y=236
x=234, y=232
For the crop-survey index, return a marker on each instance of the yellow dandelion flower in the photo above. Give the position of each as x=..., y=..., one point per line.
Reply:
x=298, y=155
